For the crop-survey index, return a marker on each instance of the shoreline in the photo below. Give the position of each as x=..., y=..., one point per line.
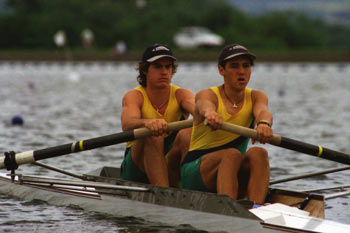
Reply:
x=182, y=56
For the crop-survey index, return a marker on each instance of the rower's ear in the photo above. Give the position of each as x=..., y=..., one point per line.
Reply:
x=221, y=70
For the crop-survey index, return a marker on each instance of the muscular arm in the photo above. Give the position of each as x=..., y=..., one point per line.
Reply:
x=206, y=105
x=131, y=112
x=261, y=112
x=131, y=115
x=185, y=99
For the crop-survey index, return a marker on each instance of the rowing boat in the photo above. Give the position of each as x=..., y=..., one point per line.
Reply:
x=103, y=191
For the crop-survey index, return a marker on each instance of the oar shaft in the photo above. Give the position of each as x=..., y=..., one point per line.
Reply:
x=291, y=144
x=58, y=170
x=249, y=133
x=335, y=195
x=93, y=143
x=309, y=175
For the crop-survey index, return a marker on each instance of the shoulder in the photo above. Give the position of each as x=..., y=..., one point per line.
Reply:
x=207, y=94
x=258, y=95
x=133, y=96
x=183, y=93
x=208, y=91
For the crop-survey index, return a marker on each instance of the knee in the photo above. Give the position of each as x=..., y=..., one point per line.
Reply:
x=258, y=155
x=154, y=139
x=232, y=155
x=184, y=136
x=183, y=139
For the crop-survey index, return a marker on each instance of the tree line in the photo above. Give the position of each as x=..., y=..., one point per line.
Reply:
x=31, y=24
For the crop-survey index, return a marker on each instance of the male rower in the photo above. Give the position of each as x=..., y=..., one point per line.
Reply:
x=218, y=161
x=154, y=104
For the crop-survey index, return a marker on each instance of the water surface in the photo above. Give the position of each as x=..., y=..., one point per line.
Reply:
x=65, y=102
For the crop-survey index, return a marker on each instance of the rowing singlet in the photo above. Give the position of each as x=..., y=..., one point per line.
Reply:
x=203, y=138
x=172, y=113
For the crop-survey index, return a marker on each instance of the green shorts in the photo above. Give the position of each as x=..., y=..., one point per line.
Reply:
x=191, y=177
x=130, y=171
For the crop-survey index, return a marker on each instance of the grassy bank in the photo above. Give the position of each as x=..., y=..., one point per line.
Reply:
x=182, y=55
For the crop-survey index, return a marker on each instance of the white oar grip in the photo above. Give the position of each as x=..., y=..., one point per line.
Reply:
x=243, y=131
x=142, y=133
x=177, y=125
x=25, y=157
x=21, y=158
x=173, y=126
x=249, y=133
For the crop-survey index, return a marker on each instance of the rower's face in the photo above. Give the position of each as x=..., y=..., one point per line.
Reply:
x=160, y=72
x=237, y=72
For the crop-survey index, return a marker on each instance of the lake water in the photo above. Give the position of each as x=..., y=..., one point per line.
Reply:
x=65, y=102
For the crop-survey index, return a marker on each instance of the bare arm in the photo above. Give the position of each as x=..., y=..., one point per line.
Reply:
x=131, y=115
x=262, y=113
x=185, y=99
x=206, y=105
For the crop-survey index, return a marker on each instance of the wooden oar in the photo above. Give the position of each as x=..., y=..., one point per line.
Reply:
x=291, y=144
x=11, y=161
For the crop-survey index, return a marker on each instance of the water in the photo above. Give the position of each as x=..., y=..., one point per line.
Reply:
x=65, y=102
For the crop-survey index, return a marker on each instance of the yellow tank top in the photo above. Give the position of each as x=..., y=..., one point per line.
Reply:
x=204, y=138
x=172, y=113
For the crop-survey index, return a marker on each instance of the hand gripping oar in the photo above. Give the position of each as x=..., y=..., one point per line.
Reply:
x=12, y=160
x=291, y=144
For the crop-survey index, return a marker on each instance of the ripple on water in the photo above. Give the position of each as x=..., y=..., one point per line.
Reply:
x=57, y=112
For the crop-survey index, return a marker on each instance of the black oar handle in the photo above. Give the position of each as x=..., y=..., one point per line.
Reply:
x=291, y=144
x=315, y=150
x=83, y=145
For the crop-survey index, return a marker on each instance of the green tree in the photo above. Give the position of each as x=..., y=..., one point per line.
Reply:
x=32, y=24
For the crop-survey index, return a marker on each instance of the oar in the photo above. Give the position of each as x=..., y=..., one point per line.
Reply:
x=58, y=170
x=291, y=144
x=335, y=195
x=342, y=187
x=309, y=175
x=12, y=160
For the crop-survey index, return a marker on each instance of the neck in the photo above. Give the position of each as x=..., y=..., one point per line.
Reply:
x=158, y=97
x=156, y=92
x=235, y=98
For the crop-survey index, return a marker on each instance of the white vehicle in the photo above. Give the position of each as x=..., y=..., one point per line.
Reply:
x=194, y=37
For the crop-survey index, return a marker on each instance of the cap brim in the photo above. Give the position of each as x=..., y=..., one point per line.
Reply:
x=152, y=59
x=240, y=54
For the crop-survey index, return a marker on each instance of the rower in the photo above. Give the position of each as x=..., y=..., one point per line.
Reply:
x=153, y=104
x=218, y=161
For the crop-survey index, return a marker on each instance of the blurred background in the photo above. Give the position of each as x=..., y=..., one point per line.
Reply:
x=276, y=30
x=303, y=50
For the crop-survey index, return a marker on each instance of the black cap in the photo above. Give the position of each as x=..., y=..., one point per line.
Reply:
x=155, y=52
x=234, y=50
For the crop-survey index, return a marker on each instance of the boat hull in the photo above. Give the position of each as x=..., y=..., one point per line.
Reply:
x=124, y=207
x=104, y=192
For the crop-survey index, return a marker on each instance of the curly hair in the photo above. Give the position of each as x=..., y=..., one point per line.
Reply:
x=143, y=67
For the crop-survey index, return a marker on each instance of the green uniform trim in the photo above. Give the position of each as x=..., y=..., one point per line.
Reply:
x=131, y=172
x=191, y=177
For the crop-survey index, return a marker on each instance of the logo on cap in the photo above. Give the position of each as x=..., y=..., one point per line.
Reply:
x=160, y=48
x=155, y=52
x=237, y=47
